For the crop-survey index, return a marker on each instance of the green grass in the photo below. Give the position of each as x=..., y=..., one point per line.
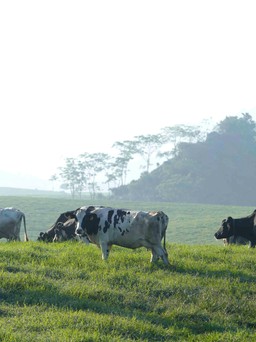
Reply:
x=65, y=292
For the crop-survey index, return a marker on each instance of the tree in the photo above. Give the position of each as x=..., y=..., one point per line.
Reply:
x=91, y=165
x=127, y=149
x=120, y=169
x=147, y=145
x=111, y=178
x=238, y=128
x=176, y=134
x=73, y=177
x=53, y=179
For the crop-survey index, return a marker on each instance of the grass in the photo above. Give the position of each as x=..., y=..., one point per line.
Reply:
x=65, y=292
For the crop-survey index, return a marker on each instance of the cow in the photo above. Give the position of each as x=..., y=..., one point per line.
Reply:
x=244, y=227
x=235, y=240
x=131, y=229
x=48, y=236
x=10, y=223
x=65, y=231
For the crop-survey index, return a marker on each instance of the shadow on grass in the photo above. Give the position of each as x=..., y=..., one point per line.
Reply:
x=193, y=324
x=222, y=273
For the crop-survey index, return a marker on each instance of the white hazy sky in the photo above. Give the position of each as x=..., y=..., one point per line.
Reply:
x=77, y=76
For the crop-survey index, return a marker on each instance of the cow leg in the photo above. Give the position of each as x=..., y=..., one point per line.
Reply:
x=104, y=250
x=154, y=256
x=251, y=244
x=158, y=251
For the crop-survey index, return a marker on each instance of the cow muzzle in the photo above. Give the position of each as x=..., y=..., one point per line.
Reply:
x=79, y=231
x=219, y=236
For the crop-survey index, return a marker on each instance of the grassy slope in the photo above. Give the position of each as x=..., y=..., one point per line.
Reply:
x=65, y=292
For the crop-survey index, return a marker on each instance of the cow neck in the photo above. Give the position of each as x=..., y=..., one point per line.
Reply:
x=234, y=226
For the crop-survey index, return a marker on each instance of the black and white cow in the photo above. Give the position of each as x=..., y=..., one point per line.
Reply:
x=132, y=229
x=65, y=231
x=50, y=233
x=10, y=223
x=243, y=227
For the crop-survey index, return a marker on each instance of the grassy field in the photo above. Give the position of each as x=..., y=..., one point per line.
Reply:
x=188, y=223
x=65, y=292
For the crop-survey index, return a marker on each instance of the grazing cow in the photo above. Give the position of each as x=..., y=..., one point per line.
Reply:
x=235, y=240
x=65, y=231
x=10, y=223
x=132, y=229
x=50, y=233
x=244, y=227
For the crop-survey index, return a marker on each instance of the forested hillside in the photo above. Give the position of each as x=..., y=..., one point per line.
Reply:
x=220, y=169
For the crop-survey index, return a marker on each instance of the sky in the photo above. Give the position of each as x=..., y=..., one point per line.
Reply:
x=78, y=76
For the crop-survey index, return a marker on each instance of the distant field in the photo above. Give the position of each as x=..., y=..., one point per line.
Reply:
x=189, y=223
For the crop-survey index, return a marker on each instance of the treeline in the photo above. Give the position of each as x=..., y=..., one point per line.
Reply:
x=195, y=165
x=90, y=172
x=219, y=169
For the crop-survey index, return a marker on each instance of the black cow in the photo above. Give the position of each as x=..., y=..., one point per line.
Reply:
x=65, y=231
x=50, y=233
x=244, y=227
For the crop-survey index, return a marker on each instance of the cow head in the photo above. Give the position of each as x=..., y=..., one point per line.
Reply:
x=59, y=233
x=46, y=237
x=226, y=230
x=88, y=224
x=83, y=218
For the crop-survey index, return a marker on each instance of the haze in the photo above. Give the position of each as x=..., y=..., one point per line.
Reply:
x=77, y=76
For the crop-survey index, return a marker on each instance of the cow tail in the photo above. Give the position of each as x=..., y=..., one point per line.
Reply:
x=166, y=225
x=165, y=240
x=25, y=229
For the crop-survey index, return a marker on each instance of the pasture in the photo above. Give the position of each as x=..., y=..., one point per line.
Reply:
x=65, y=292
x=188, y=223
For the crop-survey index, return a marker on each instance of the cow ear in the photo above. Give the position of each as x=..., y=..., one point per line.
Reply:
x=229, y=219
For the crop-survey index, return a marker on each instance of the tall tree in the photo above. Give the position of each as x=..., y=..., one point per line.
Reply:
x=176, y=134
x=72, y=177
x=147, y=146
x=53, y=179
x=127, y=149
x=92, y=165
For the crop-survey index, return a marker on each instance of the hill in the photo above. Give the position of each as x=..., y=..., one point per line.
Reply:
x=217, y=170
